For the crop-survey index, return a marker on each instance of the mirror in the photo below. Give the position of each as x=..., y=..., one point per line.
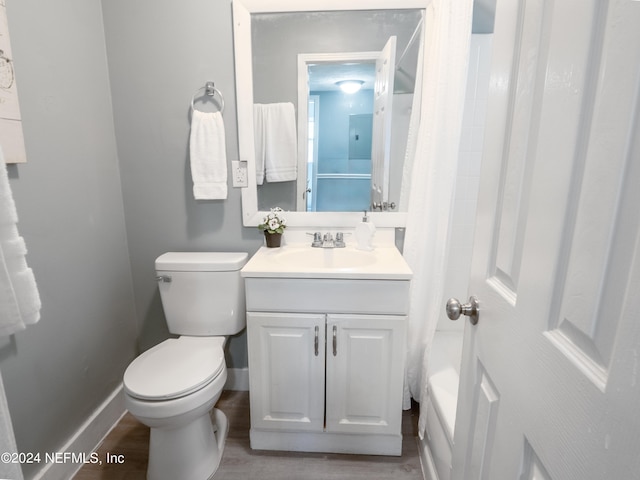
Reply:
x=295, y=53
x=304, y=58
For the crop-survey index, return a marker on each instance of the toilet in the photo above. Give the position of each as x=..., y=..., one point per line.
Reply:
x=173, y=386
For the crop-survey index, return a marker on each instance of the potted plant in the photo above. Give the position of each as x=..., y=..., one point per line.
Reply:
x=273, y=226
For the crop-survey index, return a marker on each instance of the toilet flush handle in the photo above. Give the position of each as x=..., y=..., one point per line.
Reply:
x=163, y=278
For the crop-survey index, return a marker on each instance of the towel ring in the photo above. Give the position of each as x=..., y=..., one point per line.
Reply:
x=210, y=90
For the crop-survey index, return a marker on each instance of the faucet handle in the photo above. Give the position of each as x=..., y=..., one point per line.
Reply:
x=339, y=243
x=317, y=239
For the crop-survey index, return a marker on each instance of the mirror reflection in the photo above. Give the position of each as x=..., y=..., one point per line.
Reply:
x=342, y=85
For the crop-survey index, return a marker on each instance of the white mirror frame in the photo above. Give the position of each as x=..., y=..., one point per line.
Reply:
x=242, y=10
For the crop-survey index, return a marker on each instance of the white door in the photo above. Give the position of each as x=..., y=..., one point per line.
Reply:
x=286, y=370
x=382, y=115
x=365, y=365
x=550, y=385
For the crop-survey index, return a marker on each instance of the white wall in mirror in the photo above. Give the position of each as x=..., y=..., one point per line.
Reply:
x=242, y=17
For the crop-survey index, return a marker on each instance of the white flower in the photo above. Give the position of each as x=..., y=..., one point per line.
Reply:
x=273, y=222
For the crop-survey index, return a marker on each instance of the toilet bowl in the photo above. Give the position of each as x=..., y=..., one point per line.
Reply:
x=173, y=387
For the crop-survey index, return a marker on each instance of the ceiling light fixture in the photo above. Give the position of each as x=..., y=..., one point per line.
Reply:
x=350, y=86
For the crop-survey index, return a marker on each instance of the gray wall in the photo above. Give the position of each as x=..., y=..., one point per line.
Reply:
x=69, y=201
x=159, y=53
x=98, y=204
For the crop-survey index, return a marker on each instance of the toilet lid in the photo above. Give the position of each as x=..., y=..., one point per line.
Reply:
x=175, y=368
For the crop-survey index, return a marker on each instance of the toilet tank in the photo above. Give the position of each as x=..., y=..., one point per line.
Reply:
x=202, y=292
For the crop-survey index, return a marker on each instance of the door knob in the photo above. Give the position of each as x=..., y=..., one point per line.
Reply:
x=471, y=309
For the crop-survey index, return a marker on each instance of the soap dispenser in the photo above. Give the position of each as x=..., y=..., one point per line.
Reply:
x=364, y=233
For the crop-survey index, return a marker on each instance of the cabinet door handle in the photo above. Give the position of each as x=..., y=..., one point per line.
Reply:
x=316, y=341
x=335, y=340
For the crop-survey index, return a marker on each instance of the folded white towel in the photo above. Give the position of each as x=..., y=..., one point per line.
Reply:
x=208, y=156
x=19, y=297
x=276, y=142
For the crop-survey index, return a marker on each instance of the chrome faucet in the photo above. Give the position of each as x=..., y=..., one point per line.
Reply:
x=327, y=240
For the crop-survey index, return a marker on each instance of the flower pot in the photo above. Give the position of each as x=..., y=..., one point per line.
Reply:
x=273, y=239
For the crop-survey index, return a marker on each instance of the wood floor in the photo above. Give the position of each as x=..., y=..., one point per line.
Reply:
x=130, y=439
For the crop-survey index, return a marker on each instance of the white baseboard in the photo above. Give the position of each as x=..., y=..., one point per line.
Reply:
x=86, y=439
x=237, y=379
x=426, y=460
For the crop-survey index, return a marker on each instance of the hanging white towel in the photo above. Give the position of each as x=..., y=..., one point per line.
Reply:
x=208, y=156
x=276, y=142
x=19, y=296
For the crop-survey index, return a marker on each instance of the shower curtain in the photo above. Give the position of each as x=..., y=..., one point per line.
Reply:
x=432, y=169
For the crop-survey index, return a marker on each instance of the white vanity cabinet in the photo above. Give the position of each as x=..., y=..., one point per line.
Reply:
x=326, y=364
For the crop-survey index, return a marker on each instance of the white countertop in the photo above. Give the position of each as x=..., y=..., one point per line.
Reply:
x=304, y=261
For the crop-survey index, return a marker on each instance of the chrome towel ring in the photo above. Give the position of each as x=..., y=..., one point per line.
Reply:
x=211, y=91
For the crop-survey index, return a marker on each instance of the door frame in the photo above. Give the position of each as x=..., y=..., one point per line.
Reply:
x=304, y=60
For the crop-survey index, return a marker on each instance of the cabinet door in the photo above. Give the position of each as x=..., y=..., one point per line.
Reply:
x=286, y=370
x=365, y=370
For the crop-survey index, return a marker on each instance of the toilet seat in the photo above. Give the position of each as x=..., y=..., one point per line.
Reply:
x=175, y=368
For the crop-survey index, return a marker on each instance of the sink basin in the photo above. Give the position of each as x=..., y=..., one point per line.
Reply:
x=303, y=261
x=334, y=258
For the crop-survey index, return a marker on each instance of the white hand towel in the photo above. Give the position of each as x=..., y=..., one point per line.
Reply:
x=208, y=156
x=277, y=150
x=19, y=297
